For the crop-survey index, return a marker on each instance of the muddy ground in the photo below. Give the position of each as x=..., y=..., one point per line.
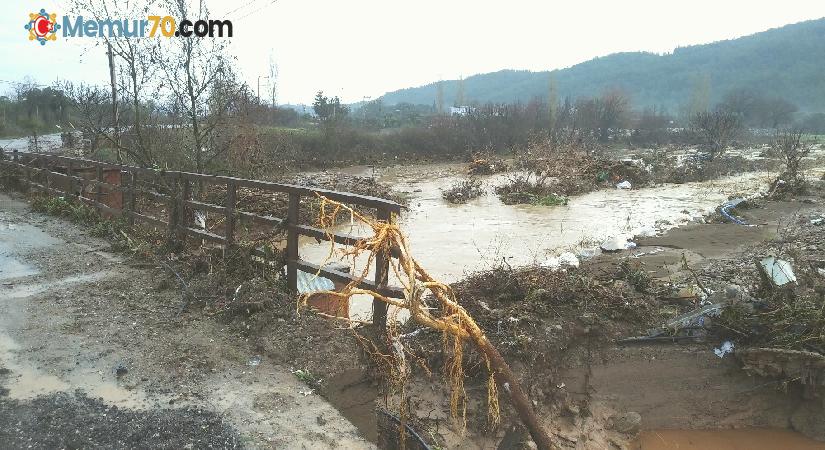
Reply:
x=95, y=354
x=559, y=331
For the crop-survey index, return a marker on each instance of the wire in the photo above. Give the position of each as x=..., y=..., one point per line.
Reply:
x=257, y=10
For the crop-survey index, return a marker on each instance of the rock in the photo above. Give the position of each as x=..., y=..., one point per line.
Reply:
x=732, y=292
x=629, y=422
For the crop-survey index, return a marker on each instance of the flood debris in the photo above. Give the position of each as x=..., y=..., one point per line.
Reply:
x=732, y=204
x=778, y=272
x=563, y=261
x=486, y=163
x=724, y=349
x=624, y=185
x=617, y=243
x=463, y=191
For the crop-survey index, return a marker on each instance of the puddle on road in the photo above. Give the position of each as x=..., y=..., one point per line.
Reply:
x=25, y=381
x=741, y=439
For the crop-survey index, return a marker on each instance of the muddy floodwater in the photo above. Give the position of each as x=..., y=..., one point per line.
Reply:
x=744, y=439
x=451, y=241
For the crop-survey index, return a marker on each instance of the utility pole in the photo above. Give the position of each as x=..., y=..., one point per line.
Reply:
x=259, y=87
x=114, y=100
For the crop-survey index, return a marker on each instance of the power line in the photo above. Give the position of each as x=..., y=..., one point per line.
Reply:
x=257, y=10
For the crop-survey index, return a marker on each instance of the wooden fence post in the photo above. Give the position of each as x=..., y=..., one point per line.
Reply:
x=99, y=189
x=14, y=156
x=174, y=209
x=70, y=174
x=292, y=241
x=130, y=206
x=382, y=272
x=231, y=200
x=45, y=165
x=185, y=217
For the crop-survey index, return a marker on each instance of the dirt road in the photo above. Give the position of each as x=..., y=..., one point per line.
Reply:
x=93, y=355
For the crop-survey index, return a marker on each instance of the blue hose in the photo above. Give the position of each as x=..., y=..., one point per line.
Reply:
x=725, y=210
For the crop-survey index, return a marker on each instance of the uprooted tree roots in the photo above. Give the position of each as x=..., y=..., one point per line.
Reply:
x=451, y=318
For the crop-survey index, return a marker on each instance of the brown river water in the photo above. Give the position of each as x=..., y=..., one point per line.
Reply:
x=743, y=439
x=451, y=241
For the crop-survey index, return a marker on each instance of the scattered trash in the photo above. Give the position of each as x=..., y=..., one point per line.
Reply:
x=697, y=317
x=592, y=252
x=565, y=260
x=724, y=349
x=254, y=361
x=821, y=272
x=624, y=185
x=727, y=206
x=649, y=252
x=200, y=220
x=617, y=243
x=777, y=271
x=818, y=221
x=306, y=393
x=691, y=325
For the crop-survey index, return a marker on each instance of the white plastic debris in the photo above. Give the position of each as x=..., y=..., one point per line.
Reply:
x=779, y=272
x=818, y=221
x=587, y=253
x=624, y=185
x=200, y=220
x=563, y=261
x=724, y=349
x=645, y=231
x=616, y=243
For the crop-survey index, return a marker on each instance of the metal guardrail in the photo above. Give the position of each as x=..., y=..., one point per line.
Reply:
x=55, y=174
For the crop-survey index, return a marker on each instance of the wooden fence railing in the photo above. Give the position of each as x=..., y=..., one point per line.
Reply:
x=54, y=174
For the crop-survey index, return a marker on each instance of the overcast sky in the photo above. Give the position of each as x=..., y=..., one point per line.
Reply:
x=363, y=48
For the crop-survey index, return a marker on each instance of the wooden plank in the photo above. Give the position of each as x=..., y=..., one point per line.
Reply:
x=318, y=233
x=206, y=206
x=205, y=235
x=266, y=220
x=334, y=275
x=138, y=217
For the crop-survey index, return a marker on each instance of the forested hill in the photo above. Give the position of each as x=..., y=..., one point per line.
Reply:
x=786, y=62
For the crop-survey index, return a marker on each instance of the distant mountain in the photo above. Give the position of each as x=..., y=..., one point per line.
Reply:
x=787, y=62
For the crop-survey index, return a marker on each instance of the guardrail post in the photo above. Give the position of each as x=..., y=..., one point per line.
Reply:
x=231, y=199
x=99, y=189
x=130, y=206
x=382, y=272
x=292, y=241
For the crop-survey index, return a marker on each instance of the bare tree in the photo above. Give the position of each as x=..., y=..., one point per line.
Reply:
x=135, y=75
x=792, y=148
x=717, y=129
x=199, y=77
